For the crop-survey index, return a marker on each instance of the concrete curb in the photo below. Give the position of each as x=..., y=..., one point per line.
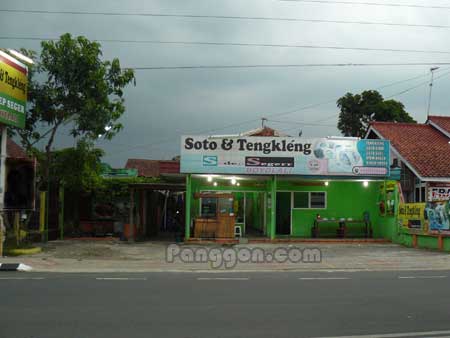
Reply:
x=14, y=267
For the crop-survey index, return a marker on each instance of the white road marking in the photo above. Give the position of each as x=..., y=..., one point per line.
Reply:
x=421, y=277
x=22, y=278
x=323, y=278
x=119, y=278
x=397, y=335
x=223, y=278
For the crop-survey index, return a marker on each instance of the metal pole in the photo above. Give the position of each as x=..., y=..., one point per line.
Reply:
x=431, y=89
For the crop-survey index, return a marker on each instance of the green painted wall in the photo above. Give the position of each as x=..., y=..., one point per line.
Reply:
x=347, y=199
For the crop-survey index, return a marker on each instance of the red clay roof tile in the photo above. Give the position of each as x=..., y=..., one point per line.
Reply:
x=14, y=151
x=424, y=147
x=153, y=168
x=442, y=121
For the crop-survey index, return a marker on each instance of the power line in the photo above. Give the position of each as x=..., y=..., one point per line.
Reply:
x=242, y=44
x=328, y=2
x=304, y=65
x=417, y=86
x=224, y=17
x=306, y=107
x=387, y=97
x=302, y=123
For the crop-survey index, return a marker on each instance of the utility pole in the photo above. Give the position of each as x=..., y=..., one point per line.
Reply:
x=263, y=122
x=431, y=89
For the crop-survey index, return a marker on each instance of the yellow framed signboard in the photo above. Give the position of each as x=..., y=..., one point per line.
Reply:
x=412, y=216
x=13, y=91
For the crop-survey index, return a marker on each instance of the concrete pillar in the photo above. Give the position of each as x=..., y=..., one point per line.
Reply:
x=273, y=210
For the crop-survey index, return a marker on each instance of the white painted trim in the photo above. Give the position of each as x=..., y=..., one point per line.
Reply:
x=438, y=127
x=375, y=131
x=396, y=152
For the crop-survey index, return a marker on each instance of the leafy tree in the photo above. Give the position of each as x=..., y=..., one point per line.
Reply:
x=70, y=85
x=78, y=168
x=358, y=110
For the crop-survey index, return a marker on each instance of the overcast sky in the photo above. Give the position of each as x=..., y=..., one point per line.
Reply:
x=165, y=104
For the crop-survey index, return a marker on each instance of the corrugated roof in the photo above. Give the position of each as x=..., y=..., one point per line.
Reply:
x=424, y=147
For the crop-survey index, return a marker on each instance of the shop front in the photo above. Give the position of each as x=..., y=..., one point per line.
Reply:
x=427, y=224
x=285, y=187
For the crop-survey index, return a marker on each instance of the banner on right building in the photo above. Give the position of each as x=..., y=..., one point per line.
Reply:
x=425, y=218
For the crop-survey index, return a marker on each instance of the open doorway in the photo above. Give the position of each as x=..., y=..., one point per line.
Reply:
x=255, y=224
x=283, y=213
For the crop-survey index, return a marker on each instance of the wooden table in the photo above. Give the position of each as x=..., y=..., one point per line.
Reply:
x=342, y=226
x=221, y=226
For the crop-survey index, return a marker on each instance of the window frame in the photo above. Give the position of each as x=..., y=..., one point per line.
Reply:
x=309, y=200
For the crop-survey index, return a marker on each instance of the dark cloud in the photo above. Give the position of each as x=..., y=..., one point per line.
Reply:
x=166, y=104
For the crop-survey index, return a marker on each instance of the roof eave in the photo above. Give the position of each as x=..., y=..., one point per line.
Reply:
x=397, y=153
x=438, y=127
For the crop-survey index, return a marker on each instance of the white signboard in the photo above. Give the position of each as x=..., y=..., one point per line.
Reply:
x=284, y=156
x=439, y=193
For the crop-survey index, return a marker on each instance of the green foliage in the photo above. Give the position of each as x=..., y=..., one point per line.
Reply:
x=79, y=168
x=113, y=190
x=71, y=85
x=358, y=110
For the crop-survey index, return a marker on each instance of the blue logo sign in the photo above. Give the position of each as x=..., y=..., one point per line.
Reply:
x=210, y=161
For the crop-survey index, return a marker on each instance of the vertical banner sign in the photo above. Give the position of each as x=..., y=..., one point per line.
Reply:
x=284, y=156
x=438, y=215
x=13, y=91
x=438, y=207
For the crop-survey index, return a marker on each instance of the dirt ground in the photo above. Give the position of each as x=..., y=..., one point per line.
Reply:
x=112, y=255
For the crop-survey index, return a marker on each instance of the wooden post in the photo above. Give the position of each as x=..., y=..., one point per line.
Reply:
x=61, y=212
x=414, y=243
x=440, y=242
x=17, y=227
x=131, y=225
x=144, y=213
x=42, y=210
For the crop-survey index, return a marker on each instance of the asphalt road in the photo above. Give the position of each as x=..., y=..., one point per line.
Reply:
x=35, y=305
